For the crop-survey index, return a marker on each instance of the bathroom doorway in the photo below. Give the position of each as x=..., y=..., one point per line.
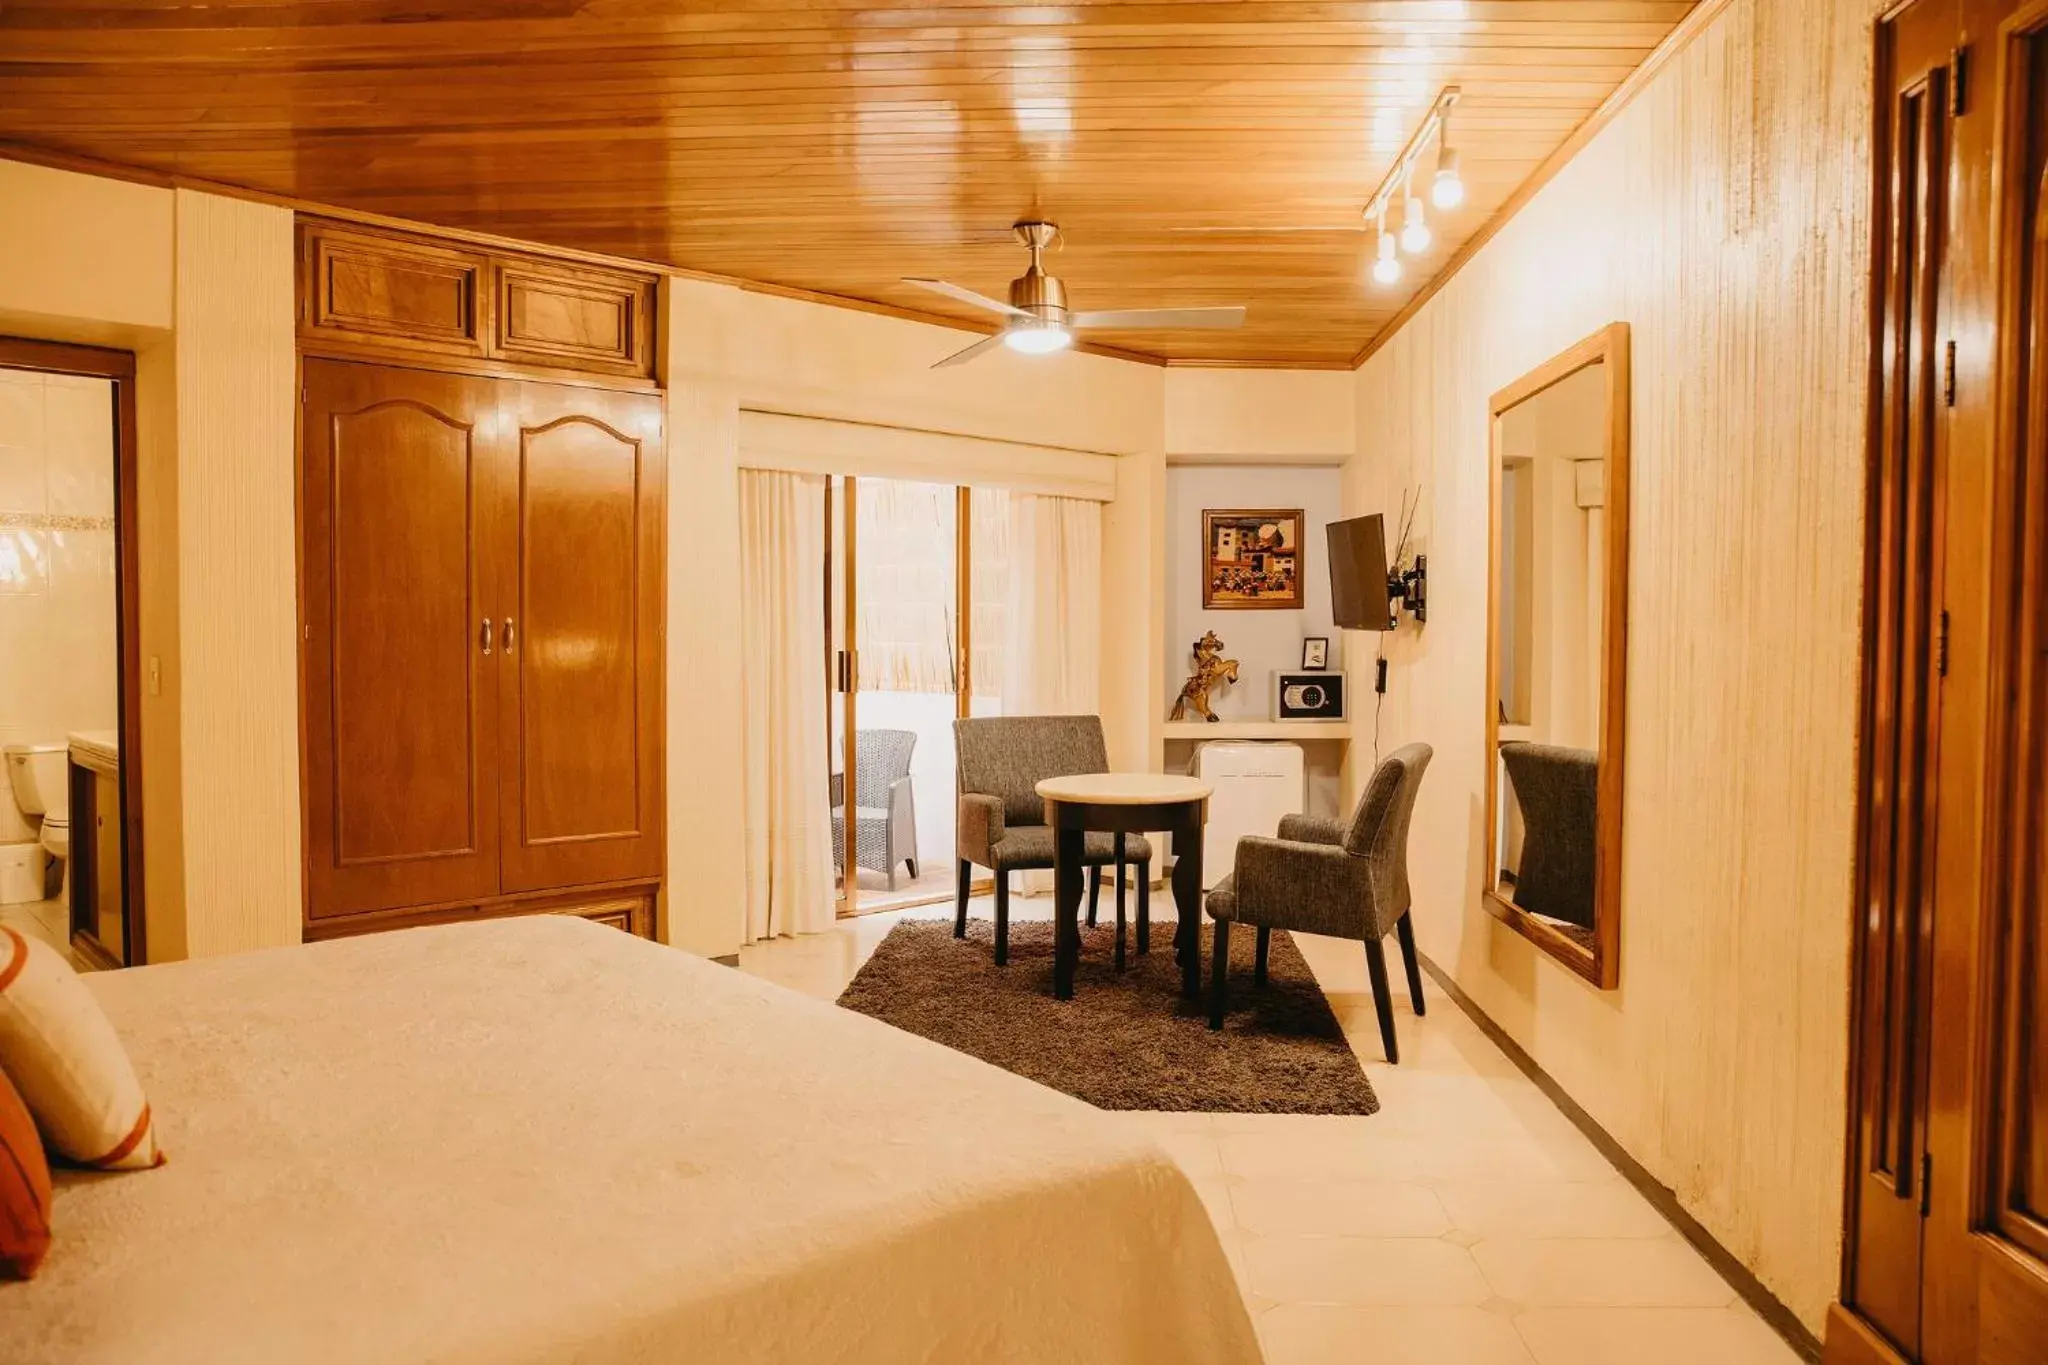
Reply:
x=70, y=652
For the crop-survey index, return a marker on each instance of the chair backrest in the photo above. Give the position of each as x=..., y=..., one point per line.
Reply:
x=1008, y=756
x=880, y=757
x=1379, y=830
x=1558, y=792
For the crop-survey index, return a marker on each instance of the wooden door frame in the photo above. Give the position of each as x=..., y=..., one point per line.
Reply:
x=849, y=693
x=117, y=367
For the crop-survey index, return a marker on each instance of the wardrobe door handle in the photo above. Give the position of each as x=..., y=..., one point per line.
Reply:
x=505, y=640
x=485, y=635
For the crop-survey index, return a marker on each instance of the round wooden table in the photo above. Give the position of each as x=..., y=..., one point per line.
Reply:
x=1125, y=803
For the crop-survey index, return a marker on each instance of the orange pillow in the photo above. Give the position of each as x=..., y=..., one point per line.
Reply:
x=24, y=1188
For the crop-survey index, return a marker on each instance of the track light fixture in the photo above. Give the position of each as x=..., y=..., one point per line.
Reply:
x=1446, y=190
x=1387, y=269
x=1416, y=237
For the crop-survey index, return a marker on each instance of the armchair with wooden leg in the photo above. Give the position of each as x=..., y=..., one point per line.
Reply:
x=1323, y=877
x=1000, y=760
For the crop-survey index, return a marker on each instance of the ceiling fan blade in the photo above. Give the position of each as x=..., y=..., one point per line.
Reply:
x=962, y=357
x=1140, y=318
x=1249, y=231
x=968, y=296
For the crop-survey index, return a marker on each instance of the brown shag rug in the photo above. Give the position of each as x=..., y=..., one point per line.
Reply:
x=1125, y=1041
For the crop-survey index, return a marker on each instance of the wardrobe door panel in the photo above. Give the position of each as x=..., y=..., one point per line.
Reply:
x=582, y=662
x=401, y=777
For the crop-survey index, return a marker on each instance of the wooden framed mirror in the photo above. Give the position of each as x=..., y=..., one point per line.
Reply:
x=1556, y=654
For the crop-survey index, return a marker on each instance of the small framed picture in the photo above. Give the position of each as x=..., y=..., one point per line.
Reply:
x=1315, y=652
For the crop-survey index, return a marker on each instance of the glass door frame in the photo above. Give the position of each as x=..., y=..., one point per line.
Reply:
x=842, y=658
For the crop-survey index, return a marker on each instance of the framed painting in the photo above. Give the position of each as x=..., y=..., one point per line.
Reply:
x=1252, y=559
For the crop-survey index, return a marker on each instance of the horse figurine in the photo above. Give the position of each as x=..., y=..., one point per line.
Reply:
x=1211, y=670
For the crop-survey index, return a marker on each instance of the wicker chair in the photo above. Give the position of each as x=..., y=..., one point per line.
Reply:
x=884, y=813
x=1001, y=760
x=1321, y=877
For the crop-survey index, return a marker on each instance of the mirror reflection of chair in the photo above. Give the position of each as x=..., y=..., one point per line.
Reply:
x=1323, y=877
x=885, y=812
x=1556, y=789
x=1001, y=760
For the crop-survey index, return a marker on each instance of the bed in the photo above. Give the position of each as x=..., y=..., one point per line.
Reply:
x=541, y=1140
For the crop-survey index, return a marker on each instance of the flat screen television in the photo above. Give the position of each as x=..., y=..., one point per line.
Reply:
x=1358, y=574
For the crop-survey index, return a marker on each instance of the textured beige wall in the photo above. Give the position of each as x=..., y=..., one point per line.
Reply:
x=1134, y=535
x=1723, y=216
x=82, y=258
x=237, y=573
x=1222, y=416
x=163, y=781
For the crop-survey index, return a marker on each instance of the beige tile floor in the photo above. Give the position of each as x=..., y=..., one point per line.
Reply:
x=1467, y=1223
x=48, y=920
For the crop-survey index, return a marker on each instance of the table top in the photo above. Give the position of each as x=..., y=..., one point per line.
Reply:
x=1124, y=789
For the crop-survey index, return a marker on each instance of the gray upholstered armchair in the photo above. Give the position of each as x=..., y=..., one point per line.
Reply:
x=1001, y=761
x=1557, y=790
x=1322, y=877
x=884, y=812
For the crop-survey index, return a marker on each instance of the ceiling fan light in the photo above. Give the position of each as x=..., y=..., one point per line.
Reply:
x=1415, y=234
x=1038, y=338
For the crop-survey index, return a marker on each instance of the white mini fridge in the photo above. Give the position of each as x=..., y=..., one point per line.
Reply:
x=1256, y=784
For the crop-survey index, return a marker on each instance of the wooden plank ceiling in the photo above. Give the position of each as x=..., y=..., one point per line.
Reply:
x=834, y=146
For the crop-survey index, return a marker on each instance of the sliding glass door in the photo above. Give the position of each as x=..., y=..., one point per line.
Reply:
x=900, y=611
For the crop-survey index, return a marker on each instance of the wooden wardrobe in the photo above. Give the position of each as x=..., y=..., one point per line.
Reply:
x=481, y=513
x=1945, y=1254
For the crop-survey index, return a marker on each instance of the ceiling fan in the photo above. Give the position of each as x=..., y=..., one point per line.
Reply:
x=1037, y=320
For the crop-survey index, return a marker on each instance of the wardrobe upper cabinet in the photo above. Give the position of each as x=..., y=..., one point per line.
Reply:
x=370, y=292
x=400, y=698
x=582, y=717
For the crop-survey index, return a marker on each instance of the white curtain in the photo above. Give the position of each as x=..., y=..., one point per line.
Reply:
x=788, y=820
x=1052, y=655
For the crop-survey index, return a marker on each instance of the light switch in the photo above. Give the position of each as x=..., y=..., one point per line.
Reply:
x=156, y=676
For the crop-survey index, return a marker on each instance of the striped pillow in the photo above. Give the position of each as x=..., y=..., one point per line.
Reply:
x=64, y=1058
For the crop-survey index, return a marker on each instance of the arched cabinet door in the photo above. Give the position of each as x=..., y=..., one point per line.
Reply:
x=580, y=660
x=400, y=695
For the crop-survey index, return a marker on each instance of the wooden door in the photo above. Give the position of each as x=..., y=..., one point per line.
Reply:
x=1987, y=1258
x=400, y=698
x=1902, y=629
x=1947, y=1256
x=581, y=649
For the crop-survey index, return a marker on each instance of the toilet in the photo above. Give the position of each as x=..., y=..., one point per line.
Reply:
x=40, y=775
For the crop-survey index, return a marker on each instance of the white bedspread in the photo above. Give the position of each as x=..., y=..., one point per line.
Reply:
x=541, y=1140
